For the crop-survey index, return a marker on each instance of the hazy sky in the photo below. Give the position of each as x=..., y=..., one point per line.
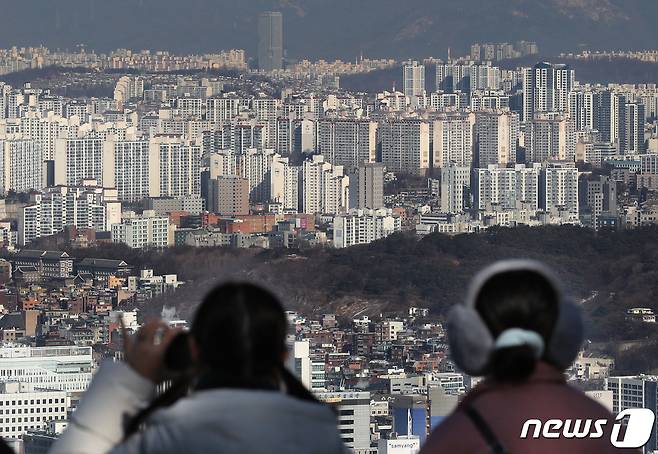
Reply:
x=326, y=28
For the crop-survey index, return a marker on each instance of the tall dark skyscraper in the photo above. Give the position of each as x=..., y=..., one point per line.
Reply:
x=270, y=41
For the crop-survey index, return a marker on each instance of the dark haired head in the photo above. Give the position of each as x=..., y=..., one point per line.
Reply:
x=240, y=332
x=517, y=299
x=237, y=340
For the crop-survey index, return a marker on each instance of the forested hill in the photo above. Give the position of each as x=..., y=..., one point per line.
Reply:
x=402, y=270
x=608, y=271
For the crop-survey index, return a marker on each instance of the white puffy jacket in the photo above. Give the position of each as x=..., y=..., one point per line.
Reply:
x=209, y=421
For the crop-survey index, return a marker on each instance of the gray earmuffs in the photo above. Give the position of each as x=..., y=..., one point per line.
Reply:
x=471, y=342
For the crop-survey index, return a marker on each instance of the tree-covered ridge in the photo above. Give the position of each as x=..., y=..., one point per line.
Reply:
x=609, y=272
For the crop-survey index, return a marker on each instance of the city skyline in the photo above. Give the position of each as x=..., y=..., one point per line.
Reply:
x=596, y=25
x=350, y=204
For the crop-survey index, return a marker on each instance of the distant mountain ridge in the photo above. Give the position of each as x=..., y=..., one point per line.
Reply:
x=331, y=28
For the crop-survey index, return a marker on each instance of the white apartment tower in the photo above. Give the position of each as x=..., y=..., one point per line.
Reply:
x=256, y=166
x=347, y=142
x=550, y=137
x=325, y=187
x=221, y=109
x=507, y=188
x=45, y=129
x=56, y=208
x=414, y=81
x=455, y=181
x=79, y=159
x=453, y=140
x=546, y=88
x=454, y=77
x=267, y=111
x=179, y=167
x=21, y=165
x=582, y=109
x=134, y=172
x=560, y=192
x=496, y=137
x=146, y=231
x=364, y=226
x=284, y=184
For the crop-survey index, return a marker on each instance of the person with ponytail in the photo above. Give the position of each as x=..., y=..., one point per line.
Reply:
x=518, y=331
x=227, y=389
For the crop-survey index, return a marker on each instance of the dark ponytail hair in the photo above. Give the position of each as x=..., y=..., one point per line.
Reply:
x=240, y=332
x=517, y=299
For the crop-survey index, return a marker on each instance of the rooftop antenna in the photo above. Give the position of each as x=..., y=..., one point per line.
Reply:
x=449, y=59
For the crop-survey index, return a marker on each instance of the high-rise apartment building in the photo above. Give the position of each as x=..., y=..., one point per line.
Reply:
x=256, y=166
x=367, y=186
x=550, y=137
x=80, y=159
x=364, y=226
x=128, y=88
x=52, y=210
x=599, y=199
x=582, y=109
x=453, y=140
x=294, y=135
x=489, y=99
x=455, y=77
x=189, y=108
x=267, y=111
x=46, y=128
x=222, y=108
x=21, y=165
x=236, y=137
x=496, y=137
x=347, y=142
x=455, y=183
x=325, y=187
x=143, y=231
x=631, y=131
x=179, y=167
x=499, y=188
x=405, y=145
x=414, y=81
x=546, y=88
x=607, y=110
x=134, y=173
x=284, y=184
x=559, y=192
